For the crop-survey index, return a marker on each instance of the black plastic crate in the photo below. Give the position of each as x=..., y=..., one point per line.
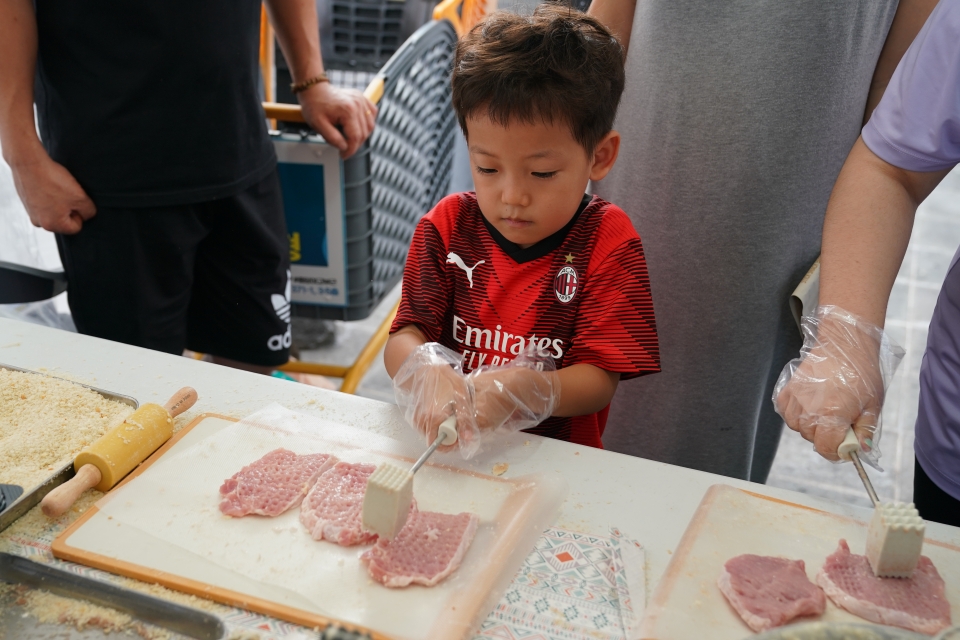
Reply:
x=363, y=34
x=358, y=36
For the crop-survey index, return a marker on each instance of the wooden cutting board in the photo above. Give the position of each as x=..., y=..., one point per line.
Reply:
x=162, y=525
x=687, y=602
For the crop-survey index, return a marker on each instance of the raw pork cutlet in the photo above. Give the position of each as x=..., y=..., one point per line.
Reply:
x=768, y=592
x=917, y=603
x=274, y=483
x=429, y=547
x=333, y=510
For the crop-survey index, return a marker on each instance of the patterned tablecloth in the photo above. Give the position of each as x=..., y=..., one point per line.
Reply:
x=572, y=586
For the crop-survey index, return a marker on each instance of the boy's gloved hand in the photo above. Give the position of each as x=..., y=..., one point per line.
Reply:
x=430, y=386
x=516, y=396
x=838, y=382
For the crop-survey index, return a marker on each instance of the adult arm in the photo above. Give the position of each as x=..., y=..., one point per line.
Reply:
x=52, y=197
x=869, y=218
x=906, y=148
x=324, y=106
x=907, y=22
x=866, y=230
x=616, y=15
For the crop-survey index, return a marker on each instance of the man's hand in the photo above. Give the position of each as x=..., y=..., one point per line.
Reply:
x=54, y=200
x=838, y=383
x=325, y=107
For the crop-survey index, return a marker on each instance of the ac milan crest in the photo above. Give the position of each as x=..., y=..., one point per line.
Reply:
x=565, y=284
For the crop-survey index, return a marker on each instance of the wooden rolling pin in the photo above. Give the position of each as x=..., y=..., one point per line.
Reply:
x=108, y=460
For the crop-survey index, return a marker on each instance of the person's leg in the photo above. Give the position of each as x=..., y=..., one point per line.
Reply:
x=129, y=273
x=240, y=309
x=932, y=502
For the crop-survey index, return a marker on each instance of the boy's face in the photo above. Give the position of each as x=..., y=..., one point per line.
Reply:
x=530, y=178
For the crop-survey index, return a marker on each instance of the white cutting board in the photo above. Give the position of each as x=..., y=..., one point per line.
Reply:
x=729, y=522
x=164, y=526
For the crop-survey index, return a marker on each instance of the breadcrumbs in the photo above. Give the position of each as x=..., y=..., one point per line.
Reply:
x=48, y=608
x=34, y=526
x=45, y=422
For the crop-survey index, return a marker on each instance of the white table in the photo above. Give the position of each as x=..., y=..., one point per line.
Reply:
x=648, y=501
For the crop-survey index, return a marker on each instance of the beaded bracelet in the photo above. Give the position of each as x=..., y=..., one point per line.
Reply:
x=297, y=87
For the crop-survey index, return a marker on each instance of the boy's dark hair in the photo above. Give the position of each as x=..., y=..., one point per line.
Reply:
x=558, y=64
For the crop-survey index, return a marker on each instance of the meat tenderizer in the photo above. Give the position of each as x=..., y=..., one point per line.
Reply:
x=895, y=535
x=389, y=494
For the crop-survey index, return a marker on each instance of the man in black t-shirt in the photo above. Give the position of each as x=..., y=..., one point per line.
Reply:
x=155, y=169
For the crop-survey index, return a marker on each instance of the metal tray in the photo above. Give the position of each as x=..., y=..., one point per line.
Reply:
x=181, y=620
x=174, y=617
x=32, y=496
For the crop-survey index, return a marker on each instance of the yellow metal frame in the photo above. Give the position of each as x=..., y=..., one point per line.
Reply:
x=353, y=374
x=464, y=14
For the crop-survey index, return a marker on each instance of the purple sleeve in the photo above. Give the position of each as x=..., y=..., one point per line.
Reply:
x=916, y=126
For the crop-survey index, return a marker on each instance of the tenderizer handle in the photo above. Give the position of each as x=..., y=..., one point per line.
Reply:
x=848, y=449
x=850, y=446
x=448, y=428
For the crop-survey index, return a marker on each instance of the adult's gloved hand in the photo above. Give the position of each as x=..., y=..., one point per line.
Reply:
x=512, y=397
x=430, y=386
x=838, y=382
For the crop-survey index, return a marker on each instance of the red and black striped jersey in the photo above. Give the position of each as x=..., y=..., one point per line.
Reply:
x=581, y=295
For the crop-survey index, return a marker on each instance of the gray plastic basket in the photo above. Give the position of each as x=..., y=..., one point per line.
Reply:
x=400, y=173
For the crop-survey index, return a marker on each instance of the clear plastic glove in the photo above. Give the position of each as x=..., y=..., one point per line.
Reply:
x=838, y=382
x=508, y=398
x=430, y=386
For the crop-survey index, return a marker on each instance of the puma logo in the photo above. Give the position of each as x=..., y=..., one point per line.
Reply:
x=453, y=258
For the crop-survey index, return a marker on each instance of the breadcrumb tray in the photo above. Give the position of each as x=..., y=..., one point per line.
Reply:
x=32, y=495
x=126, y=609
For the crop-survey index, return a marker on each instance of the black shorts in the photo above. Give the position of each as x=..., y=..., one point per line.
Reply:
x=931, y=501
x=212, y=277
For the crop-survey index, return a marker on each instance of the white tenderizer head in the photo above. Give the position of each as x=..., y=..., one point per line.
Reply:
x=895, y=539
x=387, y=500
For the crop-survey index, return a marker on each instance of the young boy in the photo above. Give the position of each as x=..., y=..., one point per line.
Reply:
x=528, y=266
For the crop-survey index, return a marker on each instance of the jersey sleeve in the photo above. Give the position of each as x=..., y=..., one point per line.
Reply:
x=616, y=329
x=424, y=299
x=916, y=126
